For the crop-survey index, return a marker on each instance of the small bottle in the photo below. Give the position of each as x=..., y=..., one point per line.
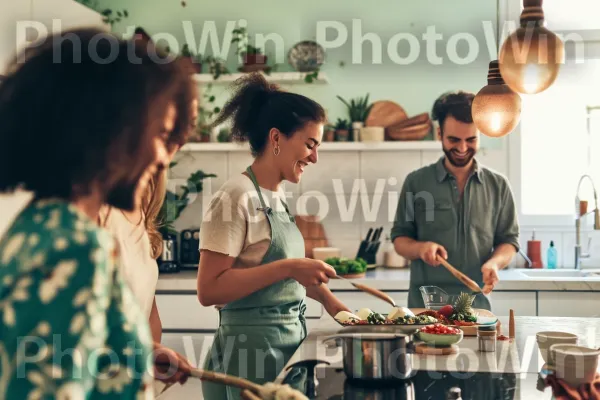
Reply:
x=552, y=256
x=454, y=394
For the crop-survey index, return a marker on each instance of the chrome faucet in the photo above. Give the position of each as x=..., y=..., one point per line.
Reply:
x=579, y=255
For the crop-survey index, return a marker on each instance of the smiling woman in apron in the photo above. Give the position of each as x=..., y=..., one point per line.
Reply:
x=252, y=264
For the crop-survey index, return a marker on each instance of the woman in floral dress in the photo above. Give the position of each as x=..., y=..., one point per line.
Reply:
x=76, y=134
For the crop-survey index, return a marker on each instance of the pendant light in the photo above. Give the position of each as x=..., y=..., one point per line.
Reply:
x=496, y=109
x=530, y=58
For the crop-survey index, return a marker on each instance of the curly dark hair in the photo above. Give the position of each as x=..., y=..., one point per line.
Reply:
x=258, y=106
x=82, y=108
x=455, y=104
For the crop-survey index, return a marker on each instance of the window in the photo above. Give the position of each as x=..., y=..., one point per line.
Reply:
x=564, y=15
x=558, y=139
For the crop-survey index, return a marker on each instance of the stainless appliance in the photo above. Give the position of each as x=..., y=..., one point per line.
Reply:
x=189, y=255
x=167, y=262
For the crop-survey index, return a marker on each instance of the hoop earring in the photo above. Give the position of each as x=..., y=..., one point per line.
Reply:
x=276, y=151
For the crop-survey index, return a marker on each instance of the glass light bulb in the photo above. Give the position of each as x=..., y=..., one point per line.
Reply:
x=496, y=110
x=530, y=59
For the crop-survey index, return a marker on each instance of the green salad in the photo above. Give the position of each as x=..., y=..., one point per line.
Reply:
x=416, y=320
x=346, y=266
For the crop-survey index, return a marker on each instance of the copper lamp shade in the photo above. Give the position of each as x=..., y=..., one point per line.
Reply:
x=531, y=57
x=496, y=109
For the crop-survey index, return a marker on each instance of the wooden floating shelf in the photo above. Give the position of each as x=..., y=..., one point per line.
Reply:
x=275, y=77
x=428, y=145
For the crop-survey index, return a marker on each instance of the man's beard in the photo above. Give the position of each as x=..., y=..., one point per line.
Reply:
x=122, y=196
x=459, y=162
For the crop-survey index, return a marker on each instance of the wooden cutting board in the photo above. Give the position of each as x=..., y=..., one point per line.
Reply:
x=385, y=113
x=467, y=330
x=423, y=348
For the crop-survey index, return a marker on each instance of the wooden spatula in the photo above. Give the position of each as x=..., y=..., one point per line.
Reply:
x=370, y=290
x=468, y=282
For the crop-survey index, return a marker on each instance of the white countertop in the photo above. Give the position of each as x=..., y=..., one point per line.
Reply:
x=518, y=356
x=397, y=279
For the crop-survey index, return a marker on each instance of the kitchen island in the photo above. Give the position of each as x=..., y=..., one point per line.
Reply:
x=189, y=328
x=514, y=371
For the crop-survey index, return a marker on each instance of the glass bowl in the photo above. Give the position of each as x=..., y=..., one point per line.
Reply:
x=435, y=297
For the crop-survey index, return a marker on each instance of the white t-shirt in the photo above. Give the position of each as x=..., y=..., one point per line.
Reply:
x=233, y=225
x=140, y=269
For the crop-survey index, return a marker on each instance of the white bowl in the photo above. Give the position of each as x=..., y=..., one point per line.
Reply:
x=372, y=134
x=575, y=365
x=547, y=339
x=323, y=253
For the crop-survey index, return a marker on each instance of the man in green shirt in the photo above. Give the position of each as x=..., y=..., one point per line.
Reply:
x=457, y=209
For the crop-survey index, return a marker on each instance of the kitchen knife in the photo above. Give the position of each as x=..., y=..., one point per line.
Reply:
x=376, y=236
x=363, y=245
x=376, y=241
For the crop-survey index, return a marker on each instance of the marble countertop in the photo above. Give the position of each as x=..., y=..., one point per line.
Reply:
x=398, y=279
x=520, y=356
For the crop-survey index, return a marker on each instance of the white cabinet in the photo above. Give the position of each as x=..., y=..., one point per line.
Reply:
x=25, y=21
x=194, y=346
x=357, y=300
x=523, y=303
x=184, y=311
x=10, y=13
x=569, y=304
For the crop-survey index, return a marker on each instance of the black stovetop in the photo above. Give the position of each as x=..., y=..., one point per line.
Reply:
x=332, y=384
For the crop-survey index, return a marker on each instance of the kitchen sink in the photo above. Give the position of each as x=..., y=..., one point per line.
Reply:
x=560, y=273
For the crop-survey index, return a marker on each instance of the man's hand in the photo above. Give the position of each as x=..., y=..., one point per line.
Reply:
x=429, y=252
x=490, y=276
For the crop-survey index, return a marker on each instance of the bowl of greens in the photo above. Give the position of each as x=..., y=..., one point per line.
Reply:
x=347, y=267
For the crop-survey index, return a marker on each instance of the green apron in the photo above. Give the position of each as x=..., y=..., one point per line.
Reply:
x=259, y=333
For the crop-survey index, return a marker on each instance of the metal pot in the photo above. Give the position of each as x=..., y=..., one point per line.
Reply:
x=375, y=356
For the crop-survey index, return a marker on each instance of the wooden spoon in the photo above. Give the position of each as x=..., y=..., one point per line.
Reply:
x=468, y=282
x=251, y=390
x=372, y=291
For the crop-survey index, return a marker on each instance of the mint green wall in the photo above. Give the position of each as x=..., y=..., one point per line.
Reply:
x=414, y=86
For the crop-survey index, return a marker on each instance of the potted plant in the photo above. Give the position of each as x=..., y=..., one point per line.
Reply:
x=253, y=57
x=329, y=133
x=205, y=134
x=176, y=202
x=195, y=60
x=342, y=130
x=224, y=136
x=109, y=16
x=216, y=66
x=358, y=111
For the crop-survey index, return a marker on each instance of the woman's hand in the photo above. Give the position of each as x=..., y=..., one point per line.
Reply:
x=169, y=366
x=311, y=272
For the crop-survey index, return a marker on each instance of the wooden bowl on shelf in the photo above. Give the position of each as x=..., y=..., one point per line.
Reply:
x=416, y=120
x=414, y=132
x=385, y=113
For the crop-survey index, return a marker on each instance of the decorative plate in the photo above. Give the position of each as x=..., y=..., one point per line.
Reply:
x=306, y=56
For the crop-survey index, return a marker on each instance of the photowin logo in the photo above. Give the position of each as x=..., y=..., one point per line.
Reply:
x=364, y=47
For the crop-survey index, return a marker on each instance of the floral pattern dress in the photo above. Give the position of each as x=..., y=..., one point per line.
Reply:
x=70, y=327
